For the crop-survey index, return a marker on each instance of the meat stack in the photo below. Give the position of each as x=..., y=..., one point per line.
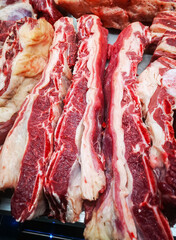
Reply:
x=88, y=137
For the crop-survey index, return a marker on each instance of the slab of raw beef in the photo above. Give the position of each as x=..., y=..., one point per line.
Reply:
x=159, y=101
x=129, y=208
x=118, y=14
x=46, y=9
x=29, y=144
x=75, y=169
x=24, y=56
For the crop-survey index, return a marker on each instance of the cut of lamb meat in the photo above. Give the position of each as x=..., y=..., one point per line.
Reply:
x=118, y=13
x=159, y=101
x=46, y=9
x=29, y=144
x=78, y=133
x=24, y=56
x=129, y=207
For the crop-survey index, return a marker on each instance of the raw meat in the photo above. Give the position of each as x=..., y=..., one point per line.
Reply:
x=166, y=47
x=129, y=208
x=46, y=9
x=76, y=170
x=118, y=13
x=24, y=56
x=29, y=144
x=163, y=31
x=11, y=13
x=159, y=101
x=164, y=22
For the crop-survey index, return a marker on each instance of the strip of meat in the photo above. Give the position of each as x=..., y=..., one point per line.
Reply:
x=129, y=208
x=118, y=13
x=159, y=101
x=29, y=144
x=78, y=133
x=46, y=9
x=24, y=56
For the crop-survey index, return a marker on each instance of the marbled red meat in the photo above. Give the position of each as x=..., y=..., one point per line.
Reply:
x=159, y=101
x=46, y=9
x=29, y=144
x=129, y=207
x=24, y=56
x=76, y=170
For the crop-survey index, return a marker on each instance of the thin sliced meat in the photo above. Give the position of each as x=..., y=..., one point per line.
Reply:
x=159, y=101
x=24, y=56
x=29, y=144
x=129, y=208
x=78, y=133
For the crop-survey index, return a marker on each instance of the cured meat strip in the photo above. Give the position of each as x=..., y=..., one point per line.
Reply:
x=24, y=56
x=129, y=208
x=159, y=101
x=29, y=144
x=78, y=133
x=118, y=13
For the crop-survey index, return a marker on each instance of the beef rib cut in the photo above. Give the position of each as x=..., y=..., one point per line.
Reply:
x=29, y=144
x=76, y=170
x=129, y=207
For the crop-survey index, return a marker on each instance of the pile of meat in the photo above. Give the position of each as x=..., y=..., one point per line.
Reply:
x=81, y=131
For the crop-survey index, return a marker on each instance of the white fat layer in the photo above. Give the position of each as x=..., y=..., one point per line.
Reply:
x=74, y=199
x=169, y=81
x=149, y=80
x=92, y=179
x=78, y=136
x=13, y=150
x=10, y=10
x=31, y=61
x=101, y=226
x=119, y=160
x=164, y=46
x=159, y=29
x=38, y=207
x=13, y=105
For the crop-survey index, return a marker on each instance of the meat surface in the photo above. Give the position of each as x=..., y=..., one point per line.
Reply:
x=9, y=13
x=129, y=207
x=75, y=169
x=159, y=101
x=163, y=30
x=46, y=9
x=24, y=56
x=29, y=144
x=118, y=14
